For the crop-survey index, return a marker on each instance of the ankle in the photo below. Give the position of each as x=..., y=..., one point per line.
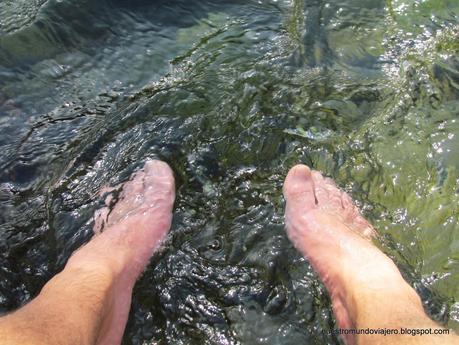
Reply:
x=396, y=297
x=374, y=286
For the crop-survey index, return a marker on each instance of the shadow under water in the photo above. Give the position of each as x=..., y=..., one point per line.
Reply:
x=231, y=94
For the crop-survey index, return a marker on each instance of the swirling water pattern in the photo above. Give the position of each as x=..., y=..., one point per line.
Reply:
x=231, y=94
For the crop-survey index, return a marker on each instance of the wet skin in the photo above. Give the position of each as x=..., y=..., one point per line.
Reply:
x=133, y=229
x=366, y=288
x=89, y=301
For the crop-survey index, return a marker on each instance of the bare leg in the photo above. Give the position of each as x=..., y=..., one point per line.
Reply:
x=366, y=287
x=89, y=301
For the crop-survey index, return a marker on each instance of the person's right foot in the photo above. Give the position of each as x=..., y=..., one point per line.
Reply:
x=326, y=227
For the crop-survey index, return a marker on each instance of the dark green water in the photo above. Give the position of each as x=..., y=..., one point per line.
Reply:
x=231, y=94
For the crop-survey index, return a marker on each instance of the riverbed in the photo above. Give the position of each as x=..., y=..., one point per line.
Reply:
x=231, y=94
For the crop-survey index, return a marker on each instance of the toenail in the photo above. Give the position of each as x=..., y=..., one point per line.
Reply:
x=159, y=169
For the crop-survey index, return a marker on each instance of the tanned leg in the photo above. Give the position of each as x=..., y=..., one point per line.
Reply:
x=89, y=301
x=366, y=288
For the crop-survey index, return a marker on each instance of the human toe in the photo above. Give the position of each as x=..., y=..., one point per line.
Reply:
x=299, y=188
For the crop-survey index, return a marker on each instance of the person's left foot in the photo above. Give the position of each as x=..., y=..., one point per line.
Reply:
x=125, y=239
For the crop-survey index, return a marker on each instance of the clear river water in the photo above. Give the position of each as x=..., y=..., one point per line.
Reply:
x=231, y=94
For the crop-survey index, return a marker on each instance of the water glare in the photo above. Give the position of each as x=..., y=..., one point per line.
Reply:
x=231, y=94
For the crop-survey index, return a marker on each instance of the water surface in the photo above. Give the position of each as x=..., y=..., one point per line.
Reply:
x=231, y=94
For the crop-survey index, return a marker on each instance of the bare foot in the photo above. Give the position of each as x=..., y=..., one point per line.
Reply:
x=125, y=239
x=326, y=227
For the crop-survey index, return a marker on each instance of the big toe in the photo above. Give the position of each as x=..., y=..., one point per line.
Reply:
x=155, y=177
x=159, y=183
x=299, y=188
x=159, y=169
x=150, y=188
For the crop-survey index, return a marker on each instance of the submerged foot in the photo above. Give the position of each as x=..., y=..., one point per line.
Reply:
x=126, y=237
x=326, y=227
